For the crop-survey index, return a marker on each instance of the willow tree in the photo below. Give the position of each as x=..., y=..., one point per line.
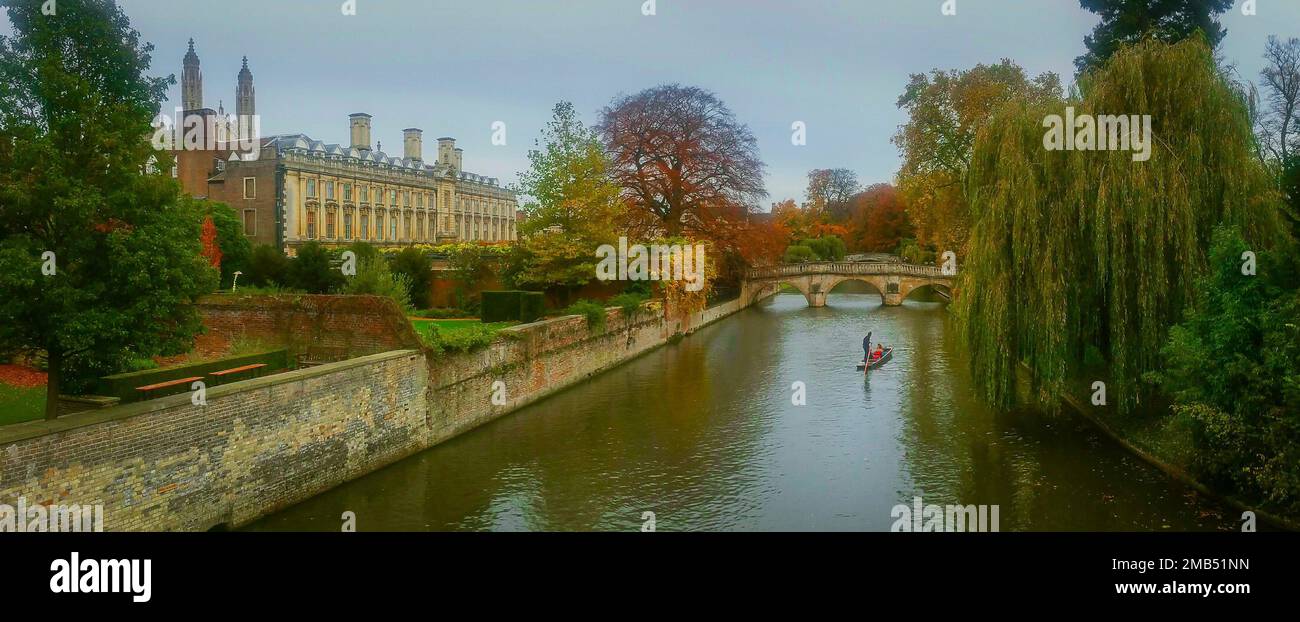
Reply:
x=1076, y=250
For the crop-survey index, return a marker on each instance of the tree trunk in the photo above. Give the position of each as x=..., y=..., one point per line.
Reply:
x=54, y=361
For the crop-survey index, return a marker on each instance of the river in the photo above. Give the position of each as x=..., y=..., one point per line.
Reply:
x=704, y=435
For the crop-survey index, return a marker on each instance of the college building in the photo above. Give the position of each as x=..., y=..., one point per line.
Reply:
x=291, y=188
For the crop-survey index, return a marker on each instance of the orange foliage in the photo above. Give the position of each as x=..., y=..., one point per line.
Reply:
x=211, y=249
x=879, y=220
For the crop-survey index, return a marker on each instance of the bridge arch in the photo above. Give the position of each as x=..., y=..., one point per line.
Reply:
x=894, y=280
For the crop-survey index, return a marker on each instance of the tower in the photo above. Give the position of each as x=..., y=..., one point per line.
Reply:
x=192, y=81
x=245, y=96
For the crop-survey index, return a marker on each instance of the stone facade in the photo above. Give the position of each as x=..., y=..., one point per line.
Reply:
x=298, y=189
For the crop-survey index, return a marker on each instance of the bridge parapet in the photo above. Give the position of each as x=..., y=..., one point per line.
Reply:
x=846, y=268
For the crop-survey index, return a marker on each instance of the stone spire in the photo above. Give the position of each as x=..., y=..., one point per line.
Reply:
x=245, y=95
x=191, y=81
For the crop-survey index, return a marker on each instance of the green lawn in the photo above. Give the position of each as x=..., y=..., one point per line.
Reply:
x=18, y=404
x=457, y=335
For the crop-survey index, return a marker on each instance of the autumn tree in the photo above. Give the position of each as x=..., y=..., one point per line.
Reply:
x=830, y=191
x=1128, y=21
x=686, y=166
x=946, y=110
x=99, y=261
x=879, y=220
x=572, y=207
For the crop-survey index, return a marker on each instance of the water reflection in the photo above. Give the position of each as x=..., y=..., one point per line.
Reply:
x=703, y=433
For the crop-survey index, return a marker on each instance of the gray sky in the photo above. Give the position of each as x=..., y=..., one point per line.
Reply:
x=454, y=67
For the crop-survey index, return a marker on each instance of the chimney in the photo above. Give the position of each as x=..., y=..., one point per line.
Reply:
x=413, y=143
x=360, y=123
x=460, y=155
x=445, y=147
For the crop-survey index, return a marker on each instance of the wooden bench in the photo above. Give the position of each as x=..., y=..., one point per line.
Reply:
x=163, y=385
x=234, y=370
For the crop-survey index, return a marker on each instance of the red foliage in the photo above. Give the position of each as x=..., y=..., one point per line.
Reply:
x=211, y=249
x=879, y=220
x=21, y=377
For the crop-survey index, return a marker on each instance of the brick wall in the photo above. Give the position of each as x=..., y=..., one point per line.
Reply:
x=536, y=360
x=356, y=324
x=257, y=446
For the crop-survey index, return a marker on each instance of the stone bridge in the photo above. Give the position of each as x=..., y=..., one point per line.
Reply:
x=893, y=280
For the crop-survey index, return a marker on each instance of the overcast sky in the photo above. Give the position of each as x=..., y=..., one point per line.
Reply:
x=455, y=67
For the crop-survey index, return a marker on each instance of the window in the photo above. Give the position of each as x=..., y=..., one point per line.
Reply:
x=379, y=225
x=419, y=201
x=347, y=226
x=392, y=227
x=406, y=199
x=250, y=187
x=379, y=196
x=250, y=222
x=392, y=198
x=406, y=227
x=329, y=191
x=364, y=194
x=365, y=226
x=311, y=224
x=311, y=188
x=175, y=171
x=347, y=192
x=329, y=225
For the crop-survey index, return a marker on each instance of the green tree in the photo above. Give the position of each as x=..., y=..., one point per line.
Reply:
x=236, y=250
x=945, y=112
x=1072, y=250
x=1244, y=415
x=417, y=268
x=98, y=258
x=312, y=270
x=1128, y=21
x=567, y=185
x=572, y=207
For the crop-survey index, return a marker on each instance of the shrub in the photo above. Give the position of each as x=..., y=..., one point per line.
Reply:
x=629, y=302
x=374, y=278
x=593, y=311
x=417, y=267
x=312, y=271
x=267, y=267
x=463, y=339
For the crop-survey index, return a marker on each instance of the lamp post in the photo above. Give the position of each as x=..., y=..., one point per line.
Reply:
x=235, y=282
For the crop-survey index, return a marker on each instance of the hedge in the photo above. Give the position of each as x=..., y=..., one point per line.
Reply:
x=511, y=306
x=531, y=306
x=500, y=306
